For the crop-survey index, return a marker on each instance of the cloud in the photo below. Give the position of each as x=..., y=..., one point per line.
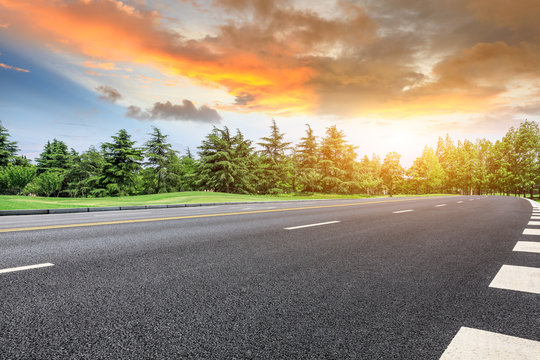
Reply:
x=243, y=99
x=101, y=65
x=168, y=111
x=108, y=93
x=384, y=57
x=9, y=67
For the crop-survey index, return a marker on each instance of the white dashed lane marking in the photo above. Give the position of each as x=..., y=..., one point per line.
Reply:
x=460, y=202
x=27, y=267
x=401, y=211
x=527, y=246
x=518, y=278
x=440, y=205
x=484, y=345
x=310, y=225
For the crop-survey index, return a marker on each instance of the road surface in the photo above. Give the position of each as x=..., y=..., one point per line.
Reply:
x=401, y=278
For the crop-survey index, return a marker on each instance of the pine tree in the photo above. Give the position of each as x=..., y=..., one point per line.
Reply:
x=8, y=148
x=337, y=162
x=159, y=155
x=122, y=164
x=55, y=156
x=277, y=166
x=307, y=158
x=226, y=162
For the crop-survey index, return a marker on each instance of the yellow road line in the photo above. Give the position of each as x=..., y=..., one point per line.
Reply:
x=116, y=222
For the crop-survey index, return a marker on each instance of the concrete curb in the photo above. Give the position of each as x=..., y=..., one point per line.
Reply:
x=142, y=207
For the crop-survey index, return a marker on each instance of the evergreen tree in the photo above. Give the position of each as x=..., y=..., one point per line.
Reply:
x=277, y=166
x=83, y=177
x=122, y=164
x=55, y=156
x=8, y=148
x=159, y=157
x=337, y=162
x=226, y=162
x=307, y=158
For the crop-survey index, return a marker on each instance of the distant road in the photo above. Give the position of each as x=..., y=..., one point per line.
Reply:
x=401, y=278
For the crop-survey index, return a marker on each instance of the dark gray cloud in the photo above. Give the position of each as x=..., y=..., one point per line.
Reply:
x=243, y=99
x=169, y=111
x=108, y=93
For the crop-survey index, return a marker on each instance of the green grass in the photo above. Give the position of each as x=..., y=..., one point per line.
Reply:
x=15, y=202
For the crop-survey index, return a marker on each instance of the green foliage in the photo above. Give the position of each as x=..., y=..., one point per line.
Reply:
x=15, y=178
x=47, y=184
x=83, y=177
x=226, y=163
x=276, y=171
x=8, y=148
x=391, y=171
x=337, y=161
x=122, y=165
x=55, y=156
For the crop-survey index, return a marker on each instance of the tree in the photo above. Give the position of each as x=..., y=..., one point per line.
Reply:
x=17, y=177
x=226, y=162
x=307, y=158
x=83, y=177
x=55, y=156
x=277, y=166
x=337, y=162
x=8, y=148
x=46, y=184
x=391, y=171
x=426, y=173
x=122, y=164
x=159, y=157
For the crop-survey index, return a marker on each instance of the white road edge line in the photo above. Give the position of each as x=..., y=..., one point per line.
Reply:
x=440, y=205
x=517, y=278
x=527, y=246
x=401, y=211
x=27, y=267
x=310, y=225
x=477, y=344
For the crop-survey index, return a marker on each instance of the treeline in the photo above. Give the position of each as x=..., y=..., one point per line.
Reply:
x=228, y=162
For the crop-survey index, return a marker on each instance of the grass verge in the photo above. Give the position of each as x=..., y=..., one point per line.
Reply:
x=8, y=202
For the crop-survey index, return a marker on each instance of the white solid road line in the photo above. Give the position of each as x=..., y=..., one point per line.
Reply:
x=484, y=345
x=27, y=267
x=440, y=205
x=401, y=211
x=531, y=232
x=527, y=246
x=518, y=278
x=310, y=225
x=535, y=223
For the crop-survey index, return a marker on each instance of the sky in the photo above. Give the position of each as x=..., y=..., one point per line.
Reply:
x=394, y=75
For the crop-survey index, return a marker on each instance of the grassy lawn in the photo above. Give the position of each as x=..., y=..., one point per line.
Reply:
x=25, y=202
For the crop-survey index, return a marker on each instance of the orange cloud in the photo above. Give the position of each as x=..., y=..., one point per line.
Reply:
x=102, y=65
x=107, y=30
x=276, y=58
x=9, y=67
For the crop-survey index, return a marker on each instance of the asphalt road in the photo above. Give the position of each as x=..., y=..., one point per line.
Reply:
x=247, y=281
